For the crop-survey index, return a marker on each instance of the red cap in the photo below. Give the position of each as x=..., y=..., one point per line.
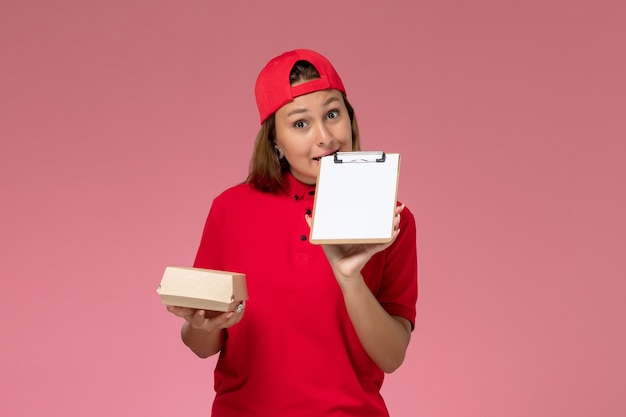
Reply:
x=273, y=89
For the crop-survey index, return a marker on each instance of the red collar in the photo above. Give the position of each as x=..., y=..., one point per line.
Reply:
x=296, y=188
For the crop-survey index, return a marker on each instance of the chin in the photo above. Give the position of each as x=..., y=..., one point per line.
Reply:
x=309, y=174
x=310, y=179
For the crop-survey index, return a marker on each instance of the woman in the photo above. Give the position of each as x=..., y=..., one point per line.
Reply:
x=323, y=323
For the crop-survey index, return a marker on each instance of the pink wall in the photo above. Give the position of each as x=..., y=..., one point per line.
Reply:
x=121, y=120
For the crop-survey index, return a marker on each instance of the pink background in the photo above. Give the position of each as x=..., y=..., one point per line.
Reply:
x=121, y=120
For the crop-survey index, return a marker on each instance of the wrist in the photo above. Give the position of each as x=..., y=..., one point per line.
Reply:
x=350, y=283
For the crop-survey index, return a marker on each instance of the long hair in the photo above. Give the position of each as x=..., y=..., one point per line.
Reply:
x=266, y=170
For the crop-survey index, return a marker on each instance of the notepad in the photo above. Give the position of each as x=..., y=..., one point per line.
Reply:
x=355, y=198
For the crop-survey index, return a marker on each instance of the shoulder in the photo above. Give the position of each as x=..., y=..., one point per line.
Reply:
x=241, y=195
x=236, y=194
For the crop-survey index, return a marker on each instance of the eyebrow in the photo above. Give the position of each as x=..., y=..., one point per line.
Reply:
x=304, y=110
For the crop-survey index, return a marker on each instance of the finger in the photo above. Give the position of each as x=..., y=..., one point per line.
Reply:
x=195, y=319
x=396, y=222
x=308, y=219
x=232, y=317
x=235, y=319
x=220, y=319
x=397, y=218
x=180, y=311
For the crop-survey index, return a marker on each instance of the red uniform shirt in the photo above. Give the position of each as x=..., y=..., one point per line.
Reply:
x=295, y=352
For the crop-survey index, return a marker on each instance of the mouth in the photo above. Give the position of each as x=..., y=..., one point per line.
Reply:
x=317, y=158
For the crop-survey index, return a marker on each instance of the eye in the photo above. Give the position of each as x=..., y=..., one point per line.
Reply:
x=333, y=114
x=300, y=124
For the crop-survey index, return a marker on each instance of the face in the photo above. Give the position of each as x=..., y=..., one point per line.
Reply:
x=313, y=125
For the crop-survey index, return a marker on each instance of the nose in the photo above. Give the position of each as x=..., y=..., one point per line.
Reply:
x=324, y=136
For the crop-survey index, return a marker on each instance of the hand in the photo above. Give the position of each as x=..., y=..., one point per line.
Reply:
x=208, y=320
x=348, y=260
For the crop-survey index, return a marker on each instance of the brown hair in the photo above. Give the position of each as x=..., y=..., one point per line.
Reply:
x=266, y=170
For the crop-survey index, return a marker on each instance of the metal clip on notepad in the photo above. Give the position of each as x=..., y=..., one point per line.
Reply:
x=360, y=156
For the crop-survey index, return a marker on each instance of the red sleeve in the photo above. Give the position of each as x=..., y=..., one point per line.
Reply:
x=398, y=291
x=209, y=252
